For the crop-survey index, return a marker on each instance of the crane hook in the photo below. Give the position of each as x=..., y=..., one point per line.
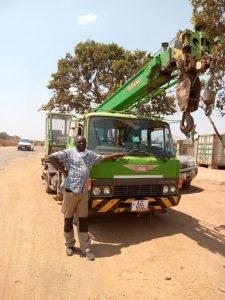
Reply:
x=187, y=122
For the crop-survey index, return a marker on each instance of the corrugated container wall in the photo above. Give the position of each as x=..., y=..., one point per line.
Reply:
x=210, y=150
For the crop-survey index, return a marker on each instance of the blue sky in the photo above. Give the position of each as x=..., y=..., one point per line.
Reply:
x=36, y=34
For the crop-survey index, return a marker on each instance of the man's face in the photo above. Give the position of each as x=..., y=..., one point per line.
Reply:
x=81, y=144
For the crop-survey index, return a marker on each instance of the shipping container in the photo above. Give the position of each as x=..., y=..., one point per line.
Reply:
x=210, y=151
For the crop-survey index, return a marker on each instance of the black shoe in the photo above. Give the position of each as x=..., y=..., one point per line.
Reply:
x=69, y=251
x=88, y=254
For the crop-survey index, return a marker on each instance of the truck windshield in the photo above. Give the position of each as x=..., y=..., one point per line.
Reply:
x=25, y=141
x=137, y=136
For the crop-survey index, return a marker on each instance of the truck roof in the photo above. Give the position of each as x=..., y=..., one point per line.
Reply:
x=122, y=115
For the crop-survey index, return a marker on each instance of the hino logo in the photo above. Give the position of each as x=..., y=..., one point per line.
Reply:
x=140, y=168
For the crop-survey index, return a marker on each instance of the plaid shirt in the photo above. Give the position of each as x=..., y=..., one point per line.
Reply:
x=78, y=168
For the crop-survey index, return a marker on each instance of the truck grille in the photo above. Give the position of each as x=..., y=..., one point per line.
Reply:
x=137, y=190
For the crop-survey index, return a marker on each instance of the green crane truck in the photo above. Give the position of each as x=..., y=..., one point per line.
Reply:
x=147, y=179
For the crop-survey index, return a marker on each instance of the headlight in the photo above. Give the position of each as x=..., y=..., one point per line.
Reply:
x=107, y=191
x=96, y=191
x=165, y=189
x=190, y=162
x=173, y=189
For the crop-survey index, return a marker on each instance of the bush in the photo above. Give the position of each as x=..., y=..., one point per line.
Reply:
x=8, y=142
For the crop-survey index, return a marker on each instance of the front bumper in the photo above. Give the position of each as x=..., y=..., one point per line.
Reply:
x=116, y=205
x=26, y=148
x=189, y=173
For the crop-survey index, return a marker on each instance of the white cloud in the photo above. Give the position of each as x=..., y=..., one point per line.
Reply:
x=87, y=19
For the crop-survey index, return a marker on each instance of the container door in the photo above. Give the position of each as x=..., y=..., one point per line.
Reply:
x=209, y=149
x=219, y=152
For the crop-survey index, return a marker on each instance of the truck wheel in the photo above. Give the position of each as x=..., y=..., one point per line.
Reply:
x=47, y=183
x=186, y=184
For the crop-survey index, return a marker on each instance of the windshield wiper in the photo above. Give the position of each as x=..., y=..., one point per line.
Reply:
x=138, y=152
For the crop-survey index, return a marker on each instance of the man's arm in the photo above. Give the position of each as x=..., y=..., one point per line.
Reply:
x=113, y=156
x=57, y=165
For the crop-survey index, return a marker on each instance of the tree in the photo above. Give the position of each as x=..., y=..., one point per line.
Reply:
x=4, y=135
x=210, y=15
x=96, y=70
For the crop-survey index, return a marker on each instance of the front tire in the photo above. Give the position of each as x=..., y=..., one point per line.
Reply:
x=186, y=184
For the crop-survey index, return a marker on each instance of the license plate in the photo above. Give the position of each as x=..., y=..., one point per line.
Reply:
x=139, y=205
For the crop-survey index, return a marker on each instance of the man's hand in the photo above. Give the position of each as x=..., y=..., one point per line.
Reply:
x=120, y=155
x=65, y=173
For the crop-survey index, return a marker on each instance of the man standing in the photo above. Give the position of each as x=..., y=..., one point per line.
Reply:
x=76, y=164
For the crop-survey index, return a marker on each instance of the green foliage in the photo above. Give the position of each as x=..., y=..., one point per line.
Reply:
x=161, y=105
x=92, y=73
x=210, y=15
x=5, y=136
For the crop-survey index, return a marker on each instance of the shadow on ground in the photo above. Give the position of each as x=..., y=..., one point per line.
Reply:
x=114, y=232
x=191, y=190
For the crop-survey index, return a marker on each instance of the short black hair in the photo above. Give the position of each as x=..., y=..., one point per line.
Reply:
x=79, y=137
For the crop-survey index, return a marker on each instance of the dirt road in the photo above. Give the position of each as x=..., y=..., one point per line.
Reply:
x=177, y=255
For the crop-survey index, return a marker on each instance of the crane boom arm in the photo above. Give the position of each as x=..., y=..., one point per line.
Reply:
x=183, y=63
x=147, y=80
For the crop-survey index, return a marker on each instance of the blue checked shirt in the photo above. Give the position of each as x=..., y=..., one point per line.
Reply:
x=78, y=168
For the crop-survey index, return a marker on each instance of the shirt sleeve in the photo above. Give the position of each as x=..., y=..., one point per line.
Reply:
x=96, y=158
x=62, y=156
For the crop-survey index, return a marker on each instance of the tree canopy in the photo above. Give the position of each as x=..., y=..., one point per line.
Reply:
x=210, y=15
x=85, y=78
x=93, y=72
x=5, y=136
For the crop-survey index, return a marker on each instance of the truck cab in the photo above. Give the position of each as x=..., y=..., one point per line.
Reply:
x=57, y=127
x=146, y=178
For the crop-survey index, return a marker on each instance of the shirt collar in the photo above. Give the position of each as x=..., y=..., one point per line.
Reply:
x=82, y=154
